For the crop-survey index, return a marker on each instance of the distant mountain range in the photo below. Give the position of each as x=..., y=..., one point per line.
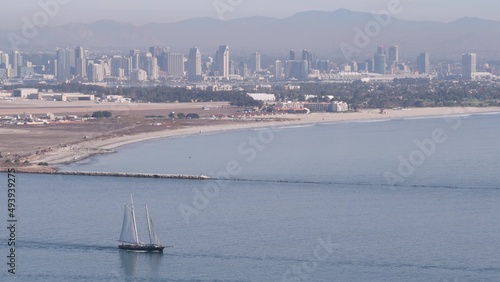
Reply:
x=320, y=31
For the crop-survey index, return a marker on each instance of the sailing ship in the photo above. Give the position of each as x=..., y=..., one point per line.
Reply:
x=129, y=236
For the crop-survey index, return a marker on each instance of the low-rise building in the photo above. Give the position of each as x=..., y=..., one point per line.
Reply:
x=327, y=107
x=339, y=107
x=263, y=97
x=24, y=92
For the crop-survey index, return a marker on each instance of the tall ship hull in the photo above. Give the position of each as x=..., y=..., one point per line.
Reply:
x=142, y=248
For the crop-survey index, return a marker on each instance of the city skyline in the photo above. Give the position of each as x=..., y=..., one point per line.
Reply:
x=173, y=11
x=79, y=64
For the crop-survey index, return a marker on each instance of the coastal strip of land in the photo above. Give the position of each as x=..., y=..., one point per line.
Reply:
x=118, y=174
x=83, y=149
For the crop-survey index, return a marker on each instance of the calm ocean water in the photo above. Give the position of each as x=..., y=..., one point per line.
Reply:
x=400, y=200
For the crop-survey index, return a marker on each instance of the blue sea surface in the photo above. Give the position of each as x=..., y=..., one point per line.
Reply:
x=360, y=201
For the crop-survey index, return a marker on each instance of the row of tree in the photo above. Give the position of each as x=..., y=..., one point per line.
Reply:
x=184, y=116
x=160, y=94
x=102, y=114
x=400, y=93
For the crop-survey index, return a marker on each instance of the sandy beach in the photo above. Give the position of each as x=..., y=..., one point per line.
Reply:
x=88, y=148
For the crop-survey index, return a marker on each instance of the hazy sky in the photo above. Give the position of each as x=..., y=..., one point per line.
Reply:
x=144, y=11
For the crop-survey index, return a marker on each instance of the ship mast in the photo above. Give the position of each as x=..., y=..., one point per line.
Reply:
x=133, y=219
x=149, y=226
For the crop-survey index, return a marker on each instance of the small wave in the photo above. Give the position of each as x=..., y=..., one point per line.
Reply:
x=297, y=126
x=431, y=117
x=358, y=184
x=487, y=114
x=64, y=246
x=421, y=266
x=373, y=121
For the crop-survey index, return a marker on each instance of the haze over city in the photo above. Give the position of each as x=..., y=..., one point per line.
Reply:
x=155, y=11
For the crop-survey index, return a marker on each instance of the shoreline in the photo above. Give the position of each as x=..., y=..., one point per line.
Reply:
x=89, y=148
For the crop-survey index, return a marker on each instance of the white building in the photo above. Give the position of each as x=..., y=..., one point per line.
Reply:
x=139, y=76
x=175, y=64
x=339, y=107
x=24, y=92
x=263, y=97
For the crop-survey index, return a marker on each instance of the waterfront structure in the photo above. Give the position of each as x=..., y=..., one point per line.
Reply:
x=335, y=107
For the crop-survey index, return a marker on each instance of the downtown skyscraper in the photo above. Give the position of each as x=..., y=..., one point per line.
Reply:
x=194, y=66
x=135, y=58
x=16, y=61
x=4, y=61
x=278, y=70
x=80, y=63
x=222, y=61
x=149, y=64
x=379, y=61
x=423, y=63
x=175, y=64
x=469, y=65
x=257, y=66
x=393, y=57
x=307, y=56
x=63, y=70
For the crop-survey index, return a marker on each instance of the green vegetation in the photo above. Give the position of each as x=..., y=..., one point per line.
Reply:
x=402, y=93
x=43, y=164
x=155, y=117
x=161, y=94
x=407, y=92
x=192, y=116
x=102, y=114
x=184, y=116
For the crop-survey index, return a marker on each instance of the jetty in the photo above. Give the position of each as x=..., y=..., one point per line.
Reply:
x=120, y=174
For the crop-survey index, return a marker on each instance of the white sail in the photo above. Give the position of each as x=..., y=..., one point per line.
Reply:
x=129, y=229
x=153, y=236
